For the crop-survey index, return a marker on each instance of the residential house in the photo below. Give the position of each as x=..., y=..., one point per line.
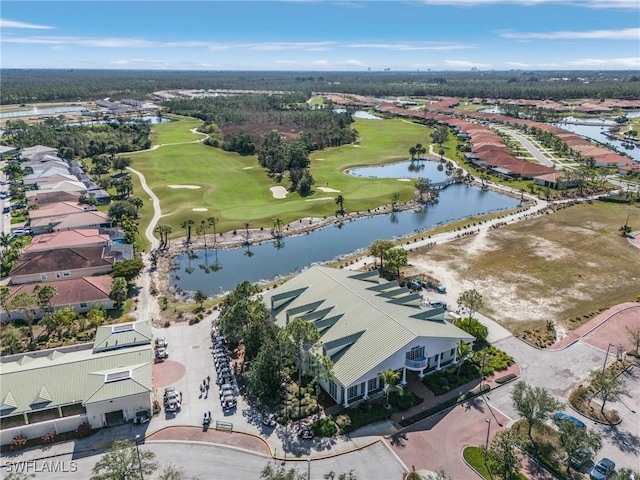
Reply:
x=60, y=264
x=49, y=175
x=103, y=383
x=51, y=210
x=557, y=180
x=70, y=222
x=81, y=294
x=37, y=152
x=367, y=326
x=86, y=237
x=40, y=197
x=7, y=150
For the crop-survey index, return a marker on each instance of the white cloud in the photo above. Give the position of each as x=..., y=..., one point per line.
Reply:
x=98, y=42
x=355, y=63
x=517, y=65
x=286, y=62
x=623, y=63
x=4, y=23
x=465, y=64
x=320, y=63
x=623, y=34
x=596, y=4
x=275, y=46
x=409, y=46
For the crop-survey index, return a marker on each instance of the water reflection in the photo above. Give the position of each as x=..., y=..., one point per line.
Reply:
x=223, y=269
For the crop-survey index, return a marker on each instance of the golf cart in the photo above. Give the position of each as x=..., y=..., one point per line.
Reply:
x=269, y=420
x=142, y=417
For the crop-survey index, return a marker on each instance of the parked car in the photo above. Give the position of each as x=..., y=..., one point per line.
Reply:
x=563, y=417
x=602, y=470
x=269, y=420
x=580, y=458
x=438, y=303
x=161, y=354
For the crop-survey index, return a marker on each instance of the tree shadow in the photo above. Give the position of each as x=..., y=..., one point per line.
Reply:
x=625, y=441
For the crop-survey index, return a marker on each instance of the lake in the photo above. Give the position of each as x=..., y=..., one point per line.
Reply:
x=416, y=169
x=41, y=111
x=218, y=271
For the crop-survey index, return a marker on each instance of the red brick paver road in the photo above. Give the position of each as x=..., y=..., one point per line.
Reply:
x=437, y=442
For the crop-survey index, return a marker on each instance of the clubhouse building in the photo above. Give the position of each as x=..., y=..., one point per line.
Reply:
x=102, y=383
x=367, y=325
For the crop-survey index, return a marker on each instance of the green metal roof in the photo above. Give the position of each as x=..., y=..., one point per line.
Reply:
x=385, y=325
x=122, y=334
x=46, y=381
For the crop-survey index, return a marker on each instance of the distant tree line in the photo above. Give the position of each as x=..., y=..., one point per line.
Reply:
x=24, y=86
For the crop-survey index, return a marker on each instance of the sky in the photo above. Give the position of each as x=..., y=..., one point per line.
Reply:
x=307, y=35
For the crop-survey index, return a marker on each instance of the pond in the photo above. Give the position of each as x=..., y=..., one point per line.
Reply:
x=147, y=118
x=41, y=111
x=361, y=114
x=403, y=170
x=216, y=271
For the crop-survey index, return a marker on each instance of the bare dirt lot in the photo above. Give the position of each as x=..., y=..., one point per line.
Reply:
x=563, y=267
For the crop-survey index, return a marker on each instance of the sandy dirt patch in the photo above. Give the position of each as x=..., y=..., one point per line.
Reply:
x=404, y=179
x=356, y=146
x=318, y=199
x=200, y=209
x=278, y=192
x=320, y=159
x=328, y=190
x=190, y=187
x=247, y=168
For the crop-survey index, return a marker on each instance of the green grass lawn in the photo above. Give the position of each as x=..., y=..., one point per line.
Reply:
x=235, y=189
x=176, y=131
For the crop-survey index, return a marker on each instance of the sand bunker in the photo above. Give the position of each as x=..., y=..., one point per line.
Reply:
x=199, y=209
x=356, y=146
x=247, y=168
x=190, y=187
x=318, y=199
x=328, y=190
x=279, y=192
x=404, y=179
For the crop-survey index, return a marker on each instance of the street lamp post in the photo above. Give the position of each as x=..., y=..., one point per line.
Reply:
x=308, y=468
x=138, y=453
x=286, y=423
x=486, y=443
x=606, y=356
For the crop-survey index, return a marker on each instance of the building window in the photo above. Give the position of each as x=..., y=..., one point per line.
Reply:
x=352, y=392
x=83, y=305
x=66, y=274
x=453, y=350
x=43, y=276
x=416, y=352
x=373, y=384
x=333, y=391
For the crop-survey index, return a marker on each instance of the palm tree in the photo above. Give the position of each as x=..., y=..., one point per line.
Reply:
x=5, y=240
x=463, y=352
x=277, y=226
x=136, y=202
x=5, y=293
x=390, y=378
x=44, y=294
x=340, y=202
x=187, y=225
x=246, y=228
x=213, y=221
x=202, y=230
x=412, y=152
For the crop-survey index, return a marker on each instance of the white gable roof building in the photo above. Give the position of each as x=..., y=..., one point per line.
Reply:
x=367, y=325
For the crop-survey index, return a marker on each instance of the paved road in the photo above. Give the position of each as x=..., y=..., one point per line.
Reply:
x=207, y=461
x=526, y=143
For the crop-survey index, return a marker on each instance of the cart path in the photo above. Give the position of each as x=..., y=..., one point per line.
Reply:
x=157, y=213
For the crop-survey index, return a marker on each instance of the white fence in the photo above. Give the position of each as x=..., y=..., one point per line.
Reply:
x=36, y=430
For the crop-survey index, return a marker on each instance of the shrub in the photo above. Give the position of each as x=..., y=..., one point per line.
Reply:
x=324, y=427
x=83, y=430
x=473, y=327
x=18, y=443
x=48, y=437
x=505, y=378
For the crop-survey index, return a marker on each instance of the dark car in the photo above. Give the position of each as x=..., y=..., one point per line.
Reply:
x=602, y=470
x=563, y=417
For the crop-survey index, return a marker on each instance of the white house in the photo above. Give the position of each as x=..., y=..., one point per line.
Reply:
x=367, y=325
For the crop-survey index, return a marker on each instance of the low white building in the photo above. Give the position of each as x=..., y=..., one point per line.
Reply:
x=367, y=325
x=103, y=383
